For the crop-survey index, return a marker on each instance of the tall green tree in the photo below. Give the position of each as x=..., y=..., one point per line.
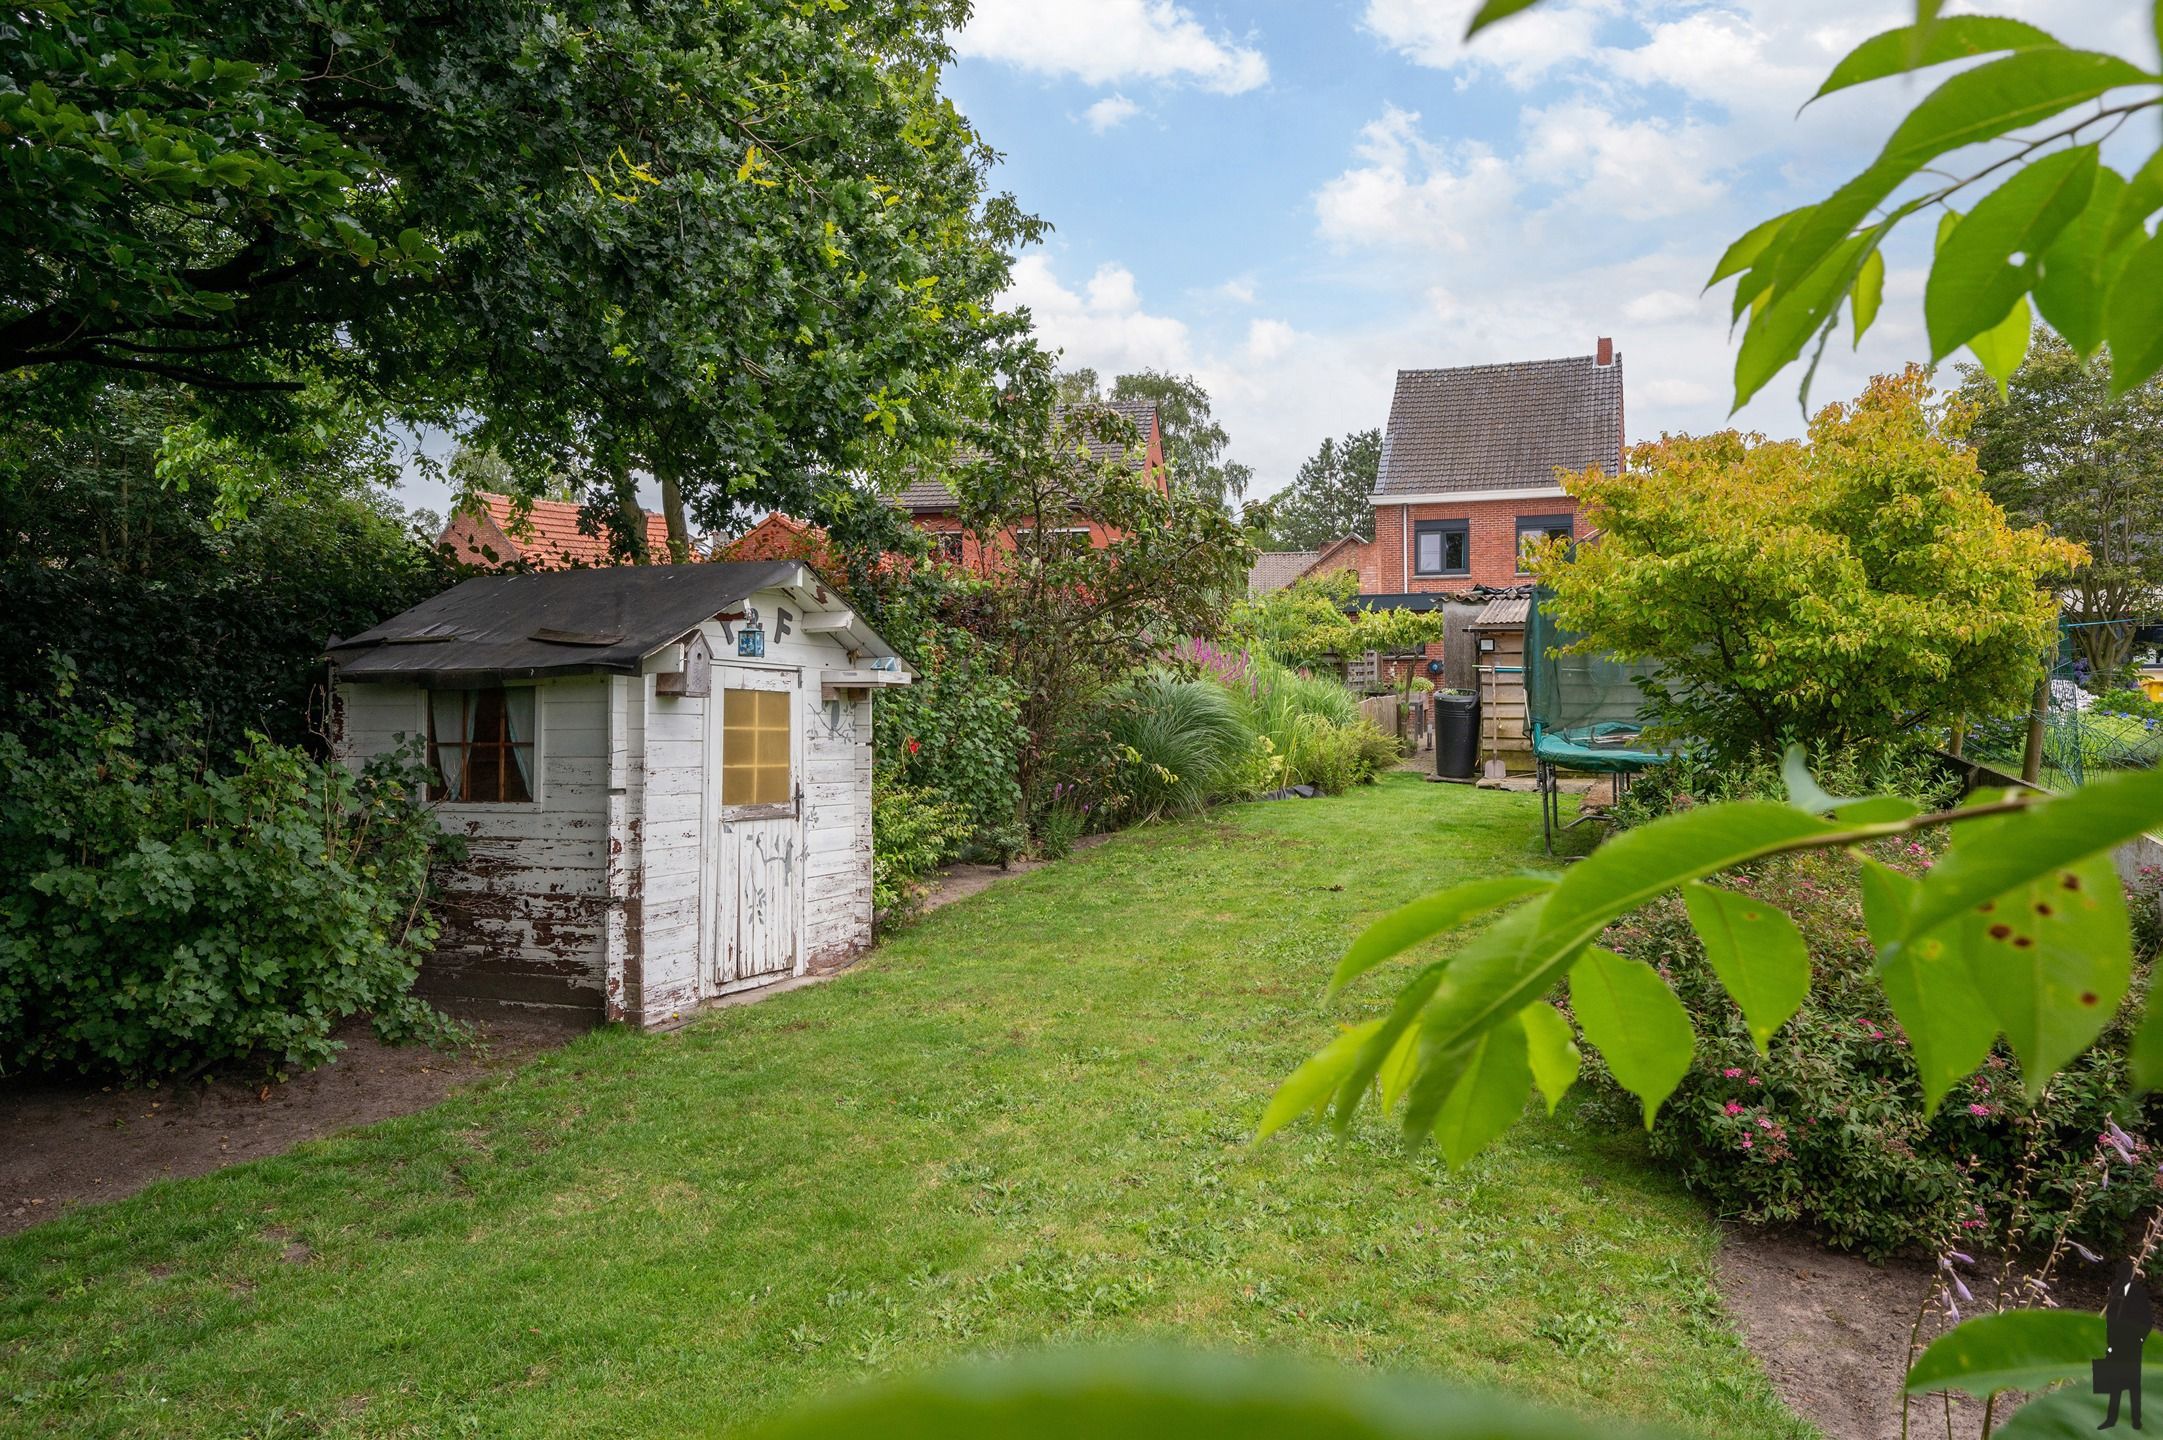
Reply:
x=126, y=566
x=1070, y=617
x=1194, y=442
x=2058, y=450
x=738, y=244
x=1331, y=497
x=1849, y=589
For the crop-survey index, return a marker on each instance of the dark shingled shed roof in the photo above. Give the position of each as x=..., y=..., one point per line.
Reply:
x=934, y=497
x=1501, y=427
x=604, y=620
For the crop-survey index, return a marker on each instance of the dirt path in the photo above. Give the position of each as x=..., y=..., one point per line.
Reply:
x=67, y=1145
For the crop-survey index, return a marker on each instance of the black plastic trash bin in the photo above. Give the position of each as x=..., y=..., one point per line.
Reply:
x=1456, y=735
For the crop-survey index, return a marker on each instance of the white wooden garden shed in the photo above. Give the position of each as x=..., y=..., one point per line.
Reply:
x=662, y=772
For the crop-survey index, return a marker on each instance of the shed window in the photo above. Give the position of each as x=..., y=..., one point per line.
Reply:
x=480, y=745
x=1533, y=530
x=755, y=748
x=1442, y=547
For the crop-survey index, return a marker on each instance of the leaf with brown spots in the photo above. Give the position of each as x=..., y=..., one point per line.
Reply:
x=2052, y=961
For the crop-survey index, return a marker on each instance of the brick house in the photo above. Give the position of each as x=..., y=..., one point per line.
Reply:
x=1468, y=476
x=550, y=537
x=932, y=506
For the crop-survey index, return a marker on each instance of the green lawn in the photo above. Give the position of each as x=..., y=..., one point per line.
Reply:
x=1026, y=1119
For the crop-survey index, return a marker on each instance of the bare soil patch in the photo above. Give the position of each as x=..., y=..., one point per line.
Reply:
x=63, y=1145
x=959, y=882
x=1832, y=1330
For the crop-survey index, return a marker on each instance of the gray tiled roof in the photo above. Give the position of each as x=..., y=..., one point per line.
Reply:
x=1501, y=427
x=932, y=496
x=1276, y=569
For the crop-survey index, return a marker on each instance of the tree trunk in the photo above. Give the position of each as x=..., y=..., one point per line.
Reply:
x=2031, y=762
x=679, y=534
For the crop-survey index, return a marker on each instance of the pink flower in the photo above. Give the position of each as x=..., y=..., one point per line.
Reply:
x=1732, y=1073
x=1748, y=1143
x=1978, y=1110
x=1733, y=1107
x=1751, y=1081
x=1763, y=1123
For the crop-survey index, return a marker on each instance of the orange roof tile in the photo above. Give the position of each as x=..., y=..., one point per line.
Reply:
x=548, y=535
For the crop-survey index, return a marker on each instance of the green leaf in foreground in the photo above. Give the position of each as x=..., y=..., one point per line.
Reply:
x=2133, y=318
x=1551, y=1048
x=2052, y=959
x=1756, y=951
x=2081, y=265
x=1089, y=1394
x=2010, y=1350
x=1429, y=915
x=2054, y=833
x=1949, y=1025
x=1642, y=1030
x=1918, y=47
x=1869, y=294
x=1494, y=10
x=1973, y=282
x=1488, y=1097
x=1310, y=1086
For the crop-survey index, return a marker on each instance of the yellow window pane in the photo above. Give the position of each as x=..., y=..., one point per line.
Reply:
x=773, y=785
x=736, y=784
x=755, y=738
x=773, y=748
x=738, y=708
x=774, y=709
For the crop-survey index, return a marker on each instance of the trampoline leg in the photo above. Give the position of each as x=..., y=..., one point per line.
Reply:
x=1545, y=778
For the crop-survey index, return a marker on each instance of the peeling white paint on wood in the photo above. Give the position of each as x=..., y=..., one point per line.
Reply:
x=614, y=893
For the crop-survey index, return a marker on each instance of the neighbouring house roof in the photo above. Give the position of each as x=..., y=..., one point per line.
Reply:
x=1501, y=427
x=603, y=620
x=1278, y=568
x=1506, y=613
x=549, y=536
x=935, y=497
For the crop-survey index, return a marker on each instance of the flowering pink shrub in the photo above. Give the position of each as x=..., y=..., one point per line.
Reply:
x=1828, y=1131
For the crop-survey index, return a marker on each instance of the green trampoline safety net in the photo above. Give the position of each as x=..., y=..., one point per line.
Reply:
x=1582, y=707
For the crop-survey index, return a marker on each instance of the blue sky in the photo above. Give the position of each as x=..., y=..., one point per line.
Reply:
x=1292, y=200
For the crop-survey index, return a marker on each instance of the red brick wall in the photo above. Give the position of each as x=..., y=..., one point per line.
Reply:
x=1493, y=544
x=975, y=549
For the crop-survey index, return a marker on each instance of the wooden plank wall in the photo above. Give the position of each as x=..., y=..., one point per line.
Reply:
x=525, y=918
x=1504, y=730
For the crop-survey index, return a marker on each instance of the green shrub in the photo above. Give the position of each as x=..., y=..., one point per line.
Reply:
x=1828, y=1131
x=2134, y=703
x=956, y=733
x=160, y=918
x=913, y=832
x=1182, y=742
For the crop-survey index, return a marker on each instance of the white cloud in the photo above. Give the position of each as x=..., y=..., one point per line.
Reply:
x=1110, y=113
x=1635, y=169
x=1409, y=194
x=1101, y=325
x=1268, y=339
x=1239, y=290
x=1105, y=42
x=1431, y=33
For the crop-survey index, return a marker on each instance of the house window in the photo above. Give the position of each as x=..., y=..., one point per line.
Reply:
x=1534, y=530
x=1442, y=547
x=755, y=748
x=950, y=546
x=1064, y=538
x=480, y=745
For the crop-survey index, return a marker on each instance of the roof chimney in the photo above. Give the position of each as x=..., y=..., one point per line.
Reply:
x=1607, y=351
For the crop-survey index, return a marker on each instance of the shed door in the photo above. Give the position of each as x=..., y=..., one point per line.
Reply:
x=759, y=862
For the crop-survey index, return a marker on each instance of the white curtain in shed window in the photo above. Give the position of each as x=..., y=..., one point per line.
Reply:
x=450, y=725
x=518, y=719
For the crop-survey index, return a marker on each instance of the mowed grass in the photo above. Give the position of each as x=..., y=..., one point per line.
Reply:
x=1026, y=1120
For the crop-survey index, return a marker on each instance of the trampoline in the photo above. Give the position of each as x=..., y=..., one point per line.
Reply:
x=1582, y=710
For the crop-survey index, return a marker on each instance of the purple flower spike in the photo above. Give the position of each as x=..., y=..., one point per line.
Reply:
x=2085, y=1253
x=1961, y=1255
